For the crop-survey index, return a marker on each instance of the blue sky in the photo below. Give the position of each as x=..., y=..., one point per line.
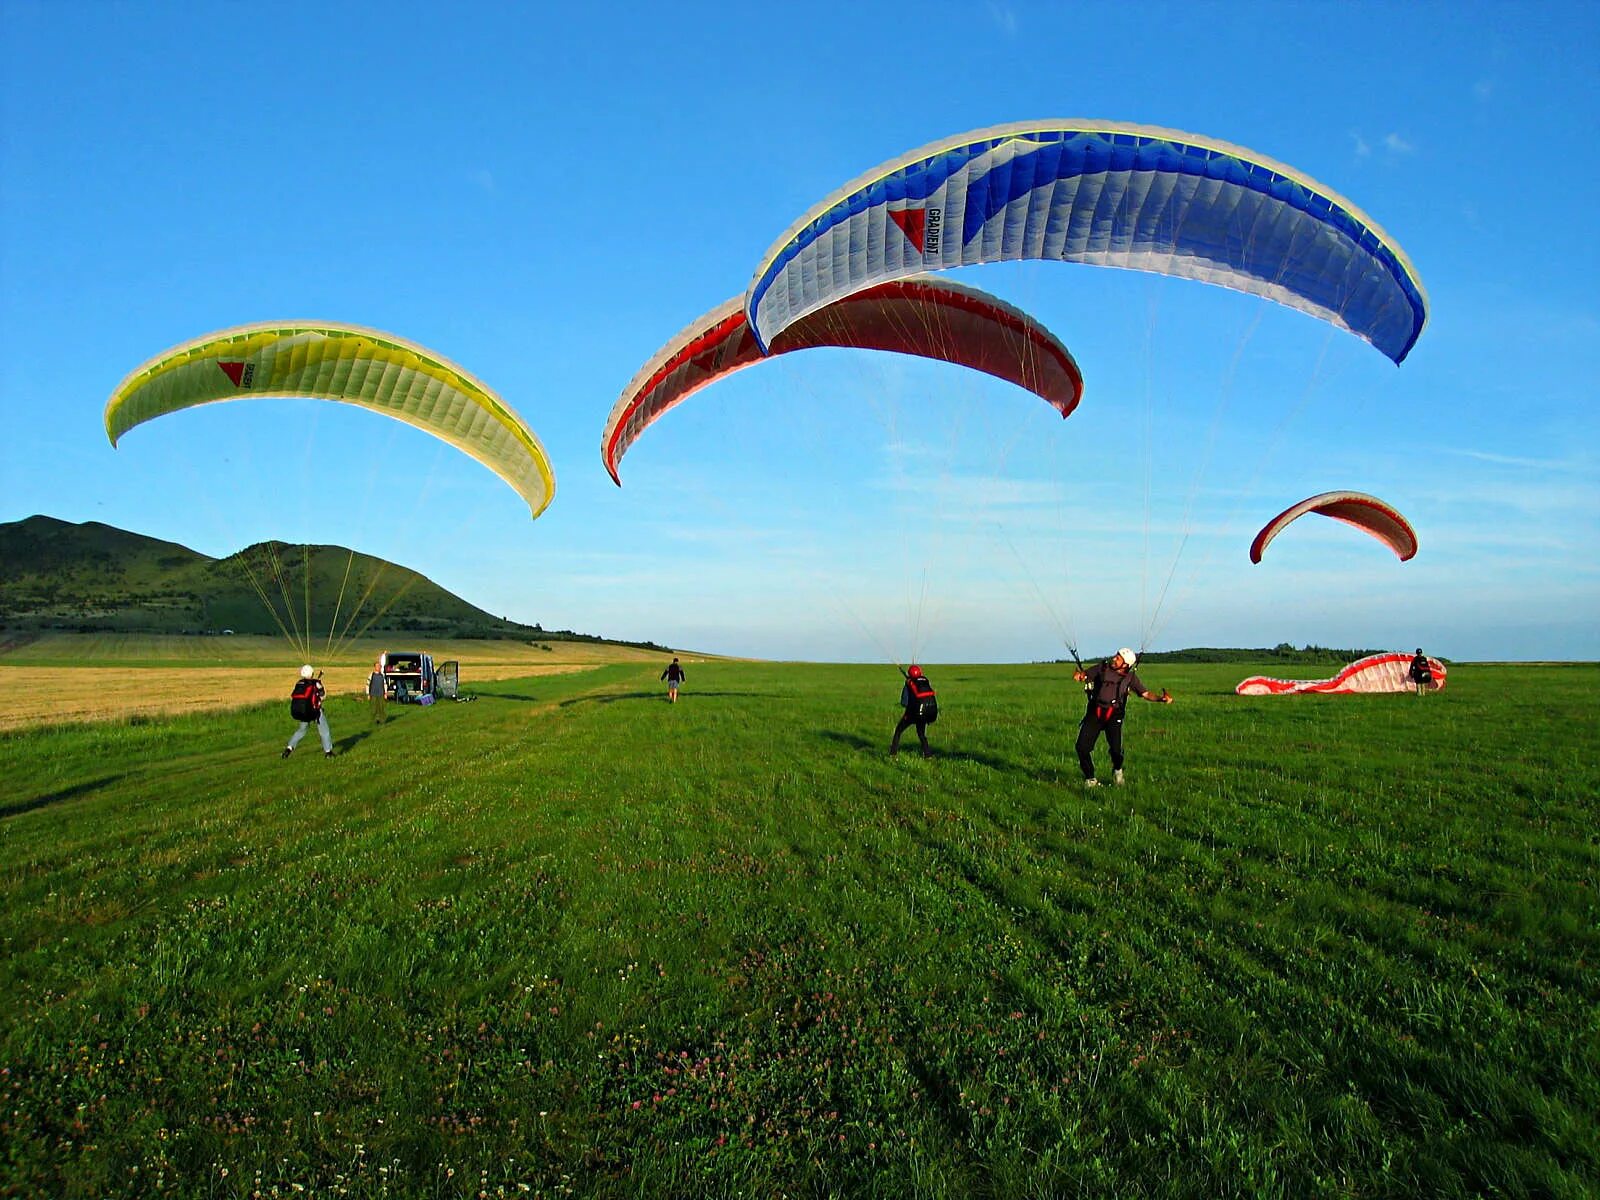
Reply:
x=545, y=194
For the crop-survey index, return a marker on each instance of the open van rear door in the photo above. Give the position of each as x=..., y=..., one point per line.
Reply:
x=446, y=679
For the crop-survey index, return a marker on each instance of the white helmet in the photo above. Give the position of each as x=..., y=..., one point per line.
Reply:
x=306, y=672
x=1127, y=656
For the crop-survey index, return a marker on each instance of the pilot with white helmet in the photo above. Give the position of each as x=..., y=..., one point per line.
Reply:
x=1109, y=684
x=305, y=706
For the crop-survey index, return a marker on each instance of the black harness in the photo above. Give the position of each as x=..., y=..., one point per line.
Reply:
x=1106, y=712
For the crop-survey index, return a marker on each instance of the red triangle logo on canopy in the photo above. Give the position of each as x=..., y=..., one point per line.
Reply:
x=913, y=223
x=234, y=371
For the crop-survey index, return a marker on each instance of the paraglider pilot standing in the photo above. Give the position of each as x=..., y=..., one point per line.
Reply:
x=1109, y=685
x=921, y=710
x=305, y=706
x=1420, y=672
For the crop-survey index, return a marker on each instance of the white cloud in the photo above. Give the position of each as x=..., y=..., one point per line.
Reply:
x=1396, y=144
x=973, y=493
x=1005, y=17
x=901, y=450
x=1509, y=460
x=1538, y=502
x=1363, y=147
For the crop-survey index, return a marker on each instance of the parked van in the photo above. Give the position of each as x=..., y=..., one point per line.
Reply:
x=409, y=675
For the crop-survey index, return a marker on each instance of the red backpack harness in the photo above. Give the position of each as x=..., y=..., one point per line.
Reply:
x=305, y=702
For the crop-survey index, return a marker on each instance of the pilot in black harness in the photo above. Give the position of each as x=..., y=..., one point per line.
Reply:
x=921, y=710
x=1109, y=685
x=1420, y=672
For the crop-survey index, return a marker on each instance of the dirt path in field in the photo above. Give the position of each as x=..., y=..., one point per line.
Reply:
x=51, y=695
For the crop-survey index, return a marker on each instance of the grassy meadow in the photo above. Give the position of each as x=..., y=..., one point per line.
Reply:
x=571, y=940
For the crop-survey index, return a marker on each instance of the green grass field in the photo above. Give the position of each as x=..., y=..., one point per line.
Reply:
x=571, y=940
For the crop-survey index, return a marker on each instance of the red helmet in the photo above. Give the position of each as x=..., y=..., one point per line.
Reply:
x=916, y=671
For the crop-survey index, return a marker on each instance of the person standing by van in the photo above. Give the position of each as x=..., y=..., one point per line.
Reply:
x=305, y=706
x=378, y=693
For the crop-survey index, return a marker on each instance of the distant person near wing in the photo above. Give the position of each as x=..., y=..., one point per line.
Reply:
x=921, y=709
x=674, y=675
x=1110, y=684
x=1421, y=672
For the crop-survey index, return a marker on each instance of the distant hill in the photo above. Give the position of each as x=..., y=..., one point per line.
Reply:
x=97, y=578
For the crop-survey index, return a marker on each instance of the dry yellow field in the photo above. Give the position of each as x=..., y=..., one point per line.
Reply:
x=48, y=695
x=62, y=678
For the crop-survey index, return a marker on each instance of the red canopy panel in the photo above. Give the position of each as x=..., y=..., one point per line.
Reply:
x=928, y=318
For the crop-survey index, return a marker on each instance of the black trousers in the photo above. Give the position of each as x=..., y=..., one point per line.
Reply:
x=1089, y=733
x=906, y=722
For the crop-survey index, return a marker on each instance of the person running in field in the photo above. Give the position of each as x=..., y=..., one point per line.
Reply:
x=1421, y=672
x=921, y=709
x=305, y=705
x=378, y=693
x=674, y=675
x=1110, y=684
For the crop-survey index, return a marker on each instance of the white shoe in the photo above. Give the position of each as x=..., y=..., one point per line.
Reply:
x=1116, y=778
x=1091, y=783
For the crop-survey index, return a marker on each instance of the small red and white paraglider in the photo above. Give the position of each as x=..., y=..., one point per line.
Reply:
x=1374, y=674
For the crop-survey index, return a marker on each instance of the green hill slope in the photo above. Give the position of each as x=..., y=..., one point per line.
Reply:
x=97, y=578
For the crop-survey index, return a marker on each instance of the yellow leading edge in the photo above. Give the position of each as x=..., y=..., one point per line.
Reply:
x=348, y=363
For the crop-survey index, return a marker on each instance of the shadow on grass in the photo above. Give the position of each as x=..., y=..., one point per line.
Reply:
x=857, y=742
x=908, y=745
x=684, y=697
x=345, y=744
x=71, y=793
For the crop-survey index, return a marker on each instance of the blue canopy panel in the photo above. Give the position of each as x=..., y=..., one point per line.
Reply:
x=1129, y=196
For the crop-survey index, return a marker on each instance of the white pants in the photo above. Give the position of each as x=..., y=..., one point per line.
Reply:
x=322, y=731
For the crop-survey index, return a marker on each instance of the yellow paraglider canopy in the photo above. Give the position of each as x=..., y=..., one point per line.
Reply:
x=348, y=363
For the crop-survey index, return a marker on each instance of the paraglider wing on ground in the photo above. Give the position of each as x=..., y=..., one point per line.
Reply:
x=1375, y=673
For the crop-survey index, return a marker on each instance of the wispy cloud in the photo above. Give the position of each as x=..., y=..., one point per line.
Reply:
x=976, y=492
x=1004, y=16
x=1502, y=499
x=1394, y=143
x=1511, y=460
x=902, y=450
